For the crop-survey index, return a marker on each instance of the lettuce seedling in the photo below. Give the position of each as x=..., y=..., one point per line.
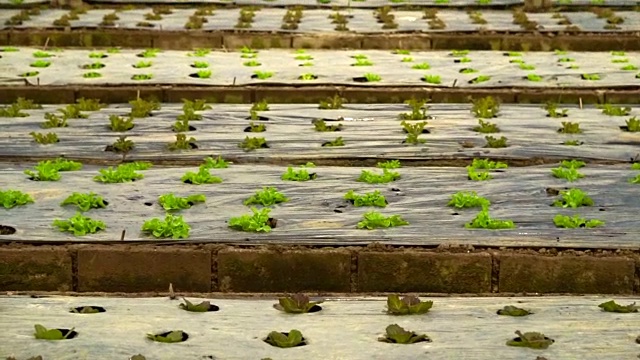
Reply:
x=84, y=202
x=13, y=198
x=188, y=114
x=488, y=164
x=44, y=139
x=532, y=340
x=570, y=128
x=285, y=340
x=253, y=127
x=573, y=198
x=635, y=166
x=182, y=143
x=611, y=306
x=12, y=111
x=83, y=104
x=169, y=337
x=202, y=307
x=370, y=77
x=552, y=111
x=485, y=108
x=332, y=103
x=484, y=221
x=217, y=163
x=261, y=105
x=570, y=174
x=335, y=142
x=421, y=66
x=611, y=110
x=268, y=196
x=43, y=333
x=572, y=222
x=418, y=110
x=397, y=335
x=297, y=304
x=263, y=75
x=464, y=200
x=408, y=305
x=635, y=180
x=118, y=123
x=141, y=108
x=510, y=310
x=87, y=310
x=79, y=225
x=48, y=170
x=370, y=177
x=575, y=164
x=496, y=143
x=171, y=227
x=474, y=175
x=54, y=121
x=203, y=176
x=413, y=131
x=391, y=164
x=253, y=143
x=122, y=173
x=122, y=145
x=171, y=202
x=486, y=127
x=258, y=222
x=374, y=220
x=24, y=104
x=72, y=111
x=321, y=125
x=298, y=175
x=632, y=125
x=368, y=199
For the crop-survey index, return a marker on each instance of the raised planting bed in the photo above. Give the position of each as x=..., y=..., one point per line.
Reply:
x=296, y=133
x=359, y=21
x=348, y=328
x=312, y=68
x=524, y=206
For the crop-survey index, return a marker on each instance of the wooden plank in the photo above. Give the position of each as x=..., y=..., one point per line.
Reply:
x=461, y=328
x=310, y=216
x=291, y=135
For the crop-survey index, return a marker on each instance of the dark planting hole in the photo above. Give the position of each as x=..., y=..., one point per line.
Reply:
x=624, y=128
x=315, y=308
x=151, y=204
x=272, y=222
x=93, y=66
x=193, y=146
x=106, y=203
x=213, y=308
x=185, y=336
x=195, y=75
x=186, y=182
x=101, y=57
x=88, y=310
x=249, y=129
x=110, y=148
x=191, y=128
x=360, y=79
x=259, y=118
x=602, y=209
x=424, y=131
x=7, y=230
x=417, y=341
x=303, y=343
x=395, y=189
x=338, y=209
x=559, y=115
x=518, y=339
x=455, y=214
x=68, y=333
x=314, y=77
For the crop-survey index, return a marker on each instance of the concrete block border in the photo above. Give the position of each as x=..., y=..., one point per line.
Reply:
x=279, y=269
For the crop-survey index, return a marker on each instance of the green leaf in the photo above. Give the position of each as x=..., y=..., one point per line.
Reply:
x=13, y=198
x=374, y=198
x=532, y=340
x=510, y=310
x=203, y=176
x=257, y=222
x=189, y=306
x=268, y=196
x=53, y=334
x=85, y=310
x=407, y=305
x=80, y=225
x=484, y=221
x=217, y=163
x=172, y=337
x=296, y=304
x=294, y=338
x=398, y=335
x=396, y=306
x=172, y=227
x=370, y=177
x=171, y=202
x=462, y=200
x=84, y=202
x=374, y=220
x=611, y=306
x=572, y=222
x=573, y=198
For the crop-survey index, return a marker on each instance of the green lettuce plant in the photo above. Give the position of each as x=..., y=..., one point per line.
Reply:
x=510, y=310
x=297, y=304
x=391, y=164
x=12, y=198
x=84, y=202
x=463, y=200
x=203, y=176
x=374, y=198
x=532, y=340
x=298, y=175
x=79, y=225
x=375, y=220
x=612, y=306
x=171, y=202
x=572, y=222
x=285, y=340
x=204, y=306
x=169, y=337
x=370, y=177
x=573, y=198
x=407, y=305
x=259, y=221
x=122, y=173
x=397, y=335
x=484, y=221
x=43, y=333
x=171, y=227
x=268, y=196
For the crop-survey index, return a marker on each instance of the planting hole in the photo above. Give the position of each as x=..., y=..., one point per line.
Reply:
x=7, y=230
x=258, y=118
x=88, y=310
x=169, y=336
x=68, y=333
x=148, y=204
x=360, y=79
x=191, y=128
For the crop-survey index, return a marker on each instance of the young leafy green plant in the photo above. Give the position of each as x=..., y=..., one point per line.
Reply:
x=397, y=335
x=632, y=125
x=474, y=175
x=44, y=139
x=418, y=110
x=432, y=79
x=298, y=175
x=485, y=108
x=12, y=111
x=408, y=305
x=122, y=145
x=263, y=75
x=370, y=77
x=572, y=164
x=13, y=198
x=171, y=227
x=488, y=164
x=253, y=143
x=182, y=143
x=122, y=173
x=79, y=225
x=374, y=198
x=421, y=66
x=570, y=174
x=635, y=180
x=552, y=111
x=612, y=306
x=332, y=103
x=217, y=163
x=43, y=333
x=570, y=128
x=321, y=126
x=87, y=310
x=532, y=340
x=573, y=198
x=484, y=221
x=464, y=200
x=259, y=221
x=54, y=121
x=120, y=124
x=572, y=222
x=496, y=143
x=612, y=110
x=268, y=196
x=336, y=142
x=141, y=108
x=413, y=131
x=48, y=170
x=391, y=164
x=171, y=202
x=486, y=127
x=375, y=220
x=169, y=337
x=372, y=178
x=261, y=105
x=297, y=304
x=285, y=340
x=72, y=111
x=204, y=306
x=84, y=202
x=510, y=310
x=89, y=104
x=203, y=176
